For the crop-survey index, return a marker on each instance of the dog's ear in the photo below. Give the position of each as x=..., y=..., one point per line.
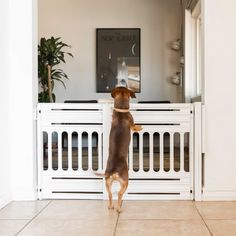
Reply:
x=132, y=94
x=113, y=92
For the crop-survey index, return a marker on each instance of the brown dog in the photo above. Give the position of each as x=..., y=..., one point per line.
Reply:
x=122, y=122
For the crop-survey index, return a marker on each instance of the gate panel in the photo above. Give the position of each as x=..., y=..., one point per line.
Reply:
x=70, y=150
x=163, y=152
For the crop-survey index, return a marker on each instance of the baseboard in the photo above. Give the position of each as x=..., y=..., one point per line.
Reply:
x=4, y=200
x=24, y=194
x=226, y=194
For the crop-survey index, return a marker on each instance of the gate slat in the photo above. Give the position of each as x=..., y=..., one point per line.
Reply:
x=171, y=152
x=69, y=134
x=161, y=153
x=80, y=152
x=181, y=151
x=99, y=151
x=50, y=151
x=90, y=161
x=141, y=152
x=131, y=168
x=151, y=150
x=59, y=144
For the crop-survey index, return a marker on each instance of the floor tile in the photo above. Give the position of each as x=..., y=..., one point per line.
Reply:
x=217, y=210
x=222, y=227
x=159, y=210
x=22, y=209
x=162, y=227
x=59, y=227
x=11, y=227
x=78, y=209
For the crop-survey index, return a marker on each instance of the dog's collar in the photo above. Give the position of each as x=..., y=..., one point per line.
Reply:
x=121, y=110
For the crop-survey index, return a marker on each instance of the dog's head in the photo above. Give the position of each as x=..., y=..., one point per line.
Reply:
x=121, y=97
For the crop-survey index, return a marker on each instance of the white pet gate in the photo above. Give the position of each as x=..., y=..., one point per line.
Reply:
x=73, y=144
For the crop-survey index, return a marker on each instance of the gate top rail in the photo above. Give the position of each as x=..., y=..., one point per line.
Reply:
x=51, y=114
x=49, y=107
x=183, y=107
x=93, y=114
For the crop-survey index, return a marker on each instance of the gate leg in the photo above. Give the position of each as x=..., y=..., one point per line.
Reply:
x=108, y=187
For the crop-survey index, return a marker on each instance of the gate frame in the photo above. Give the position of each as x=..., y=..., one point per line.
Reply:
x=195, y=167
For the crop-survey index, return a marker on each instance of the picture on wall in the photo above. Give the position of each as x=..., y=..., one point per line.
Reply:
x=118, y=58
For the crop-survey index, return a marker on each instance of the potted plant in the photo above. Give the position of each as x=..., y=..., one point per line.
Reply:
x=50, y=54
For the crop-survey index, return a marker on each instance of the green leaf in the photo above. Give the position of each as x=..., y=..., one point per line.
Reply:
x=50, y=52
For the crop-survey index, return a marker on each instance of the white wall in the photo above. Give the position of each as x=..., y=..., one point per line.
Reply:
x=220, y=95
x=22, y=98
x=18, y=97
x=76, y=20
x=5, y=193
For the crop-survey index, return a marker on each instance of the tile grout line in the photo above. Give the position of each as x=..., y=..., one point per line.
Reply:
x=33, y=218
x=203, y=220
x=117, y=222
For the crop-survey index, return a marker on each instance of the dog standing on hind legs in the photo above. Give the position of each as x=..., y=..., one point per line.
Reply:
x=119, y=139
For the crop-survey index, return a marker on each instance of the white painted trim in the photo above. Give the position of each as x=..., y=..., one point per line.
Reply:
x=24, y=194
x=219, y=194
x=190, y=57
x=203, y=139
x=193, y=84
x=197, y=151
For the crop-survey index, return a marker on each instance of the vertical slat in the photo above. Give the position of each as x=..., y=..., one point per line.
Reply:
x=80, y=151
x=59, y=150
x=69, y=150
x=181, y=151
x=49, y=151
x=161, y=153
x=151, y=150
x=131, y=153
x=190, y=152
x=140, y=151
x=99, y=151
x=171, y=152
x=90, y=151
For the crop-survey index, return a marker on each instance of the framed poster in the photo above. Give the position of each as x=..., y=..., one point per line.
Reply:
x=118, y=58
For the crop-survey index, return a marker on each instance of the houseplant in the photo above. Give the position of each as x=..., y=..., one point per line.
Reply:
x=50, y=54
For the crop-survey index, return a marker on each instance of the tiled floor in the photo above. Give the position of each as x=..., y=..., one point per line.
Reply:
x=85, y=218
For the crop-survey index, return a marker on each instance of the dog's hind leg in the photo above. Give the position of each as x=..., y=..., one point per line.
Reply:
x=108, y=187
x=123, y=187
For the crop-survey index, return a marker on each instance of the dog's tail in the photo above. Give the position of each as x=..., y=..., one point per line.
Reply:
x=100, y=174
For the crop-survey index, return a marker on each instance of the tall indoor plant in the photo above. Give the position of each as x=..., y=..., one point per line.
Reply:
x=50, y=54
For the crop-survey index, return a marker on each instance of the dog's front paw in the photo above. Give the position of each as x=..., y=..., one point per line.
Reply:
x=118, y=209
x=137, y=128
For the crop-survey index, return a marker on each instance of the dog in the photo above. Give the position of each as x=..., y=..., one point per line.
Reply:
x=119, y=139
